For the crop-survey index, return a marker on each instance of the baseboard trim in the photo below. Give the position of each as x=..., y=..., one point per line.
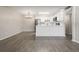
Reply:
x=28, y=31
x=68, y=33
x=52, y=35
x=10, y=36
x=75, y=41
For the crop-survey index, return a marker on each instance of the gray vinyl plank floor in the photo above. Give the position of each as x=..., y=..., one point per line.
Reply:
x=28, y=42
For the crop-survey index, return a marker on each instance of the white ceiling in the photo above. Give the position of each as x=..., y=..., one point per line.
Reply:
x=35, y=9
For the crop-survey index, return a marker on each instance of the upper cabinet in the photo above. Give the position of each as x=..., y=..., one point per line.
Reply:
x=59, y=16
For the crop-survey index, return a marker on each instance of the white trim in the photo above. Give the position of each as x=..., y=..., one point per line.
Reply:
x=28, y=30
x=9, y=36
x=75, y=41
x=73, y=23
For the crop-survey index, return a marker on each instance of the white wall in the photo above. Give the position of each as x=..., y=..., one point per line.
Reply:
x=28, y=24
x=75, y=24
x=10, y=22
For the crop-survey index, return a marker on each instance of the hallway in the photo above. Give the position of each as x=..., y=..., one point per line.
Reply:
x=27, y=42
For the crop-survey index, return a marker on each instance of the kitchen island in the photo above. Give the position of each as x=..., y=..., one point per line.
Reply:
x=50, y=30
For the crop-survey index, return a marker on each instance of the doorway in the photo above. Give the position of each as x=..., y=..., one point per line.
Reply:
x=68, y=24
